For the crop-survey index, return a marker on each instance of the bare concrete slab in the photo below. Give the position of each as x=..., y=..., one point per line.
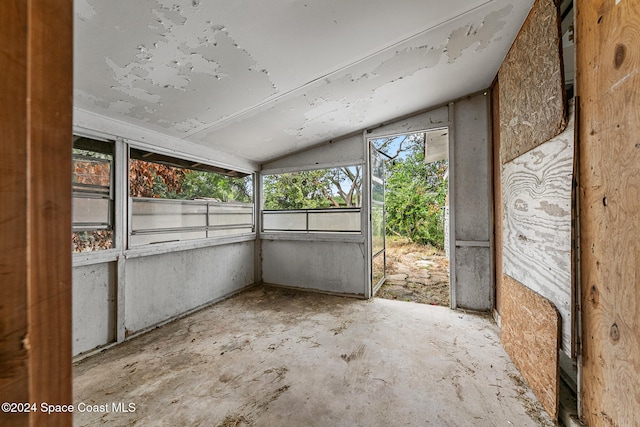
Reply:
x=278, y=357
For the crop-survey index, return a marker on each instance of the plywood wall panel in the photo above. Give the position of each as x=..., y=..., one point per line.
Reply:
x=608, y=58
x=531, y=84
x=537, y=191
x=530, y=334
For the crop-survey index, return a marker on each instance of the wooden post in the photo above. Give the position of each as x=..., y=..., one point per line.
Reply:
x=36, y=53
x=497, y=194
x=608, y=83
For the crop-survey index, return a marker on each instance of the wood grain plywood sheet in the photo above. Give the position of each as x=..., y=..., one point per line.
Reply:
x=608, y=47
x=537, y=191
x=531, y=84
x=530, y=332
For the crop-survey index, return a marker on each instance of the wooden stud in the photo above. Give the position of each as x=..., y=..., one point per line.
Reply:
x=35, y=341
x=608, y=83
x=14, y=357
x=497, y=192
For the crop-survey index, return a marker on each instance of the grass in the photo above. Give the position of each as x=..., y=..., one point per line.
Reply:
x=404, y=246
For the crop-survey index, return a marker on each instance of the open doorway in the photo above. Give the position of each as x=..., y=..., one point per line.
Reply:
x=416, y=216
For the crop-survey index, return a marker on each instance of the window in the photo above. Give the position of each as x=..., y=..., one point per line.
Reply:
x=324, y=200
x=174, y=199
x=92, y=195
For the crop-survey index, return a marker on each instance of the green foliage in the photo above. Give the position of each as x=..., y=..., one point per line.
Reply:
x=415, y=198
x=322, y=188
x=223, y=188
x=149, y=179
x=300, y=190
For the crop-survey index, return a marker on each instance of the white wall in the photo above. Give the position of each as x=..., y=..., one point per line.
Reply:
x=471, y=207
x=329, y=262
x=324, y=266
x=163, y=286
x=341, y=152
x=122, y=291
x=94, y=306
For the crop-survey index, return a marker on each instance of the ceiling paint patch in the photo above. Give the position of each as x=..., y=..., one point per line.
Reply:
x=119, y=106
x=82, y=97
x=184, y=126
x=412, y=58
x=322, y=108
x=465, y=37
x=168, y=17
x=84, y=10
x=128, y=81
x=179, y=53
x=261, y=79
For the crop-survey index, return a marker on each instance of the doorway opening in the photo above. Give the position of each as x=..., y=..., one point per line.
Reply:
x=415, y=221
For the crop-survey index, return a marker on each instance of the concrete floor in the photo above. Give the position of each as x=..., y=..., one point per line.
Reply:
x=278, y=357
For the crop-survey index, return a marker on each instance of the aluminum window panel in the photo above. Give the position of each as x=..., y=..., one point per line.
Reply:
x=91, y=213
x=334, y=221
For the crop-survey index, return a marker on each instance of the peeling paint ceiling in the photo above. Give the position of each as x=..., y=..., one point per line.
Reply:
x=260, y=79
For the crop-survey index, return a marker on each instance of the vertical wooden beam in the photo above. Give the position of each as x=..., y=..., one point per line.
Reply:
x=497, y=192
x=14, y=357
x=49, y=109
x=36, y=49
x=608, y=84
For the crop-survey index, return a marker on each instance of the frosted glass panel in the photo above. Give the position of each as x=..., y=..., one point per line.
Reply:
x=377, y=227
x=293, y=221
x=334, y=221
x=330, y=220
x=159, y=215
x=161, y=220
x=377, y=269
x=90, y=211
x=230, y=215
x=145, y=239
x=377, y=218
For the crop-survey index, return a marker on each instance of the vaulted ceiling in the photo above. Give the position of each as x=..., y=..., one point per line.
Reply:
x=260, y=79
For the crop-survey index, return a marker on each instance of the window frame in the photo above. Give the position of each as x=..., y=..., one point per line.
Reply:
x=188, y=163
x=83, y=191
x=308, y=231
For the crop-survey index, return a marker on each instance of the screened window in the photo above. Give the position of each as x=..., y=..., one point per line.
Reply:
x=92, y=195
x=324, y=200
x=175, y=200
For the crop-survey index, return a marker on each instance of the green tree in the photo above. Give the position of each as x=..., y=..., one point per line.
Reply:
x=211, y=185
x=156, y=180
x=299, y=190
x=324, y=188
x=415, y=197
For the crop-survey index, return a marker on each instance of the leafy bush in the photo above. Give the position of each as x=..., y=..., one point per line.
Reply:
x=156, y=180
x=322, y=188
x=415, y=198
